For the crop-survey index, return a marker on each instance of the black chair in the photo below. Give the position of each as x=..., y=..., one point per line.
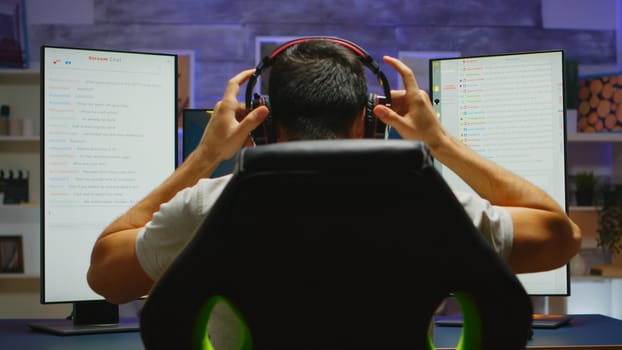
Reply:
x=344, y=244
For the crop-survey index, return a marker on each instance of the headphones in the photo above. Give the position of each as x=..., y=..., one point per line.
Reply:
x=266, y=132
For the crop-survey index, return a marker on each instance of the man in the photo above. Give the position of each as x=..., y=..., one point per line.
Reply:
x=318, y=91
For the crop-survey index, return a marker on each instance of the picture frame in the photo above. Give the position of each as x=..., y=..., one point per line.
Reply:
x=11, y=254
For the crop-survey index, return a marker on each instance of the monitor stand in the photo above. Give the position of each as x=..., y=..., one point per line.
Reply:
x=91, y=317
x=549, y=320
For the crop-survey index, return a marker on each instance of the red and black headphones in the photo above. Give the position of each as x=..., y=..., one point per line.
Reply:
x=266, y=132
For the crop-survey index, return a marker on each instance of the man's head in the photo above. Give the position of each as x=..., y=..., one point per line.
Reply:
x=318, y=90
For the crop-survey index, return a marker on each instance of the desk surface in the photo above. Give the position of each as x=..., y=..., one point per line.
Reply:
x=584, y=331
x=16, y=334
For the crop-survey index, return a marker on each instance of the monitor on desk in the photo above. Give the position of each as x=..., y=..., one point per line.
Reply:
x=108, y=137
x=511, y=109
x=194, y=121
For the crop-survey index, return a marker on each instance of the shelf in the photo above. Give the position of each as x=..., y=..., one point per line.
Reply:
x=18, y=275
x=594, y=278
x=33, y=69
x=19, y=144
x=594, y=137
x=19, y=212
x=19, y=138
x=29, y=77
x=582, y=208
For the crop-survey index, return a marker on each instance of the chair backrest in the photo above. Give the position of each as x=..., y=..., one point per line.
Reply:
x=337, y=244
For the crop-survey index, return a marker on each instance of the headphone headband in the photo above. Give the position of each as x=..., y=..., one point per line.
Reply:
x=365, y=58
x=352, y=46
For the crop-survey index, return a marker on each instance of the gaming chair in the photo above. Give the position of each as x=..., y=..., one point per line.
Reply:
x=342, y=244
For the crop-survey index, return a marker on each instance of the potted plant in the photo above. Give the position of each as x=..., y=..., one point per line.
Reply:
x=585, y=187
x=610, y=221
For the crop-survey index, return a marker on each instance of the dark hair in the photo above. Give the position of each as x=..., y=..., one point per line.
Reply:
x=317, y=88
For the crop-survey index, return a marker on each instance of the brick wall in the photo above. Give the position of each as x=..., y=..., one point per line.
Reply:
x=222, y=32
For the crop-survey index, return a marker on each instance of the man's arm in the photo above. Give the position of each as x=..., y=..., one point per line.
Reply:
x=544, y=236
x=115, y=272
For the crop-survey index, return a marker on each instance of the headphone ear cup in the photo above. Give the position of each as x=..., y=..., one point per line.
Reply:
x=374, y=127
x=266, y=132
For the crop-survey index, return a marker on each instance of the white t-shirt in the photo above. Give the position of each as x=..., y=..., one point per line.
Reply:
x=174, y=225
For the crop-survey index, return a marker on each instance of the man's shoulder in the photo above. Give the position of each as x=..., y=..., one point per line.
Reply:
x=208, y=189
x=214, y=181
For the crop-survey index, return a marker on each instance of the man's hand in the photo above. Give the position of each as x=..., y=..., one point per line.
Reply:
x=411, y=113
x=229, y=127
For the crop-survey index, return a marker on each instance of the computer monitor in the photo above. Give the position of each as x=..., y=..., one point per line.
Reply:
x=108, y=137
x=510, y=108
x=194, y=121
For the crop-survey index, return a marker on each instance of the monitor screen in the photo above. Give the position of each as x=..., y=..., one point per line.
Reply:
x=108, y=122
x=194, y=121
x=509, y=108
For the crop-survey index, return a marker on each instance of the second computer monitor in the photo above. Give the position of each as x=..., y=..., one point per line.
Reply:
x=194, y=121
x=510, y=108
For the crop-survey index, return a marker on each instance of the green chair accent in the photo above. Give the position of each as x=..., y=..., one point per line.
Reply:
x=344, y=244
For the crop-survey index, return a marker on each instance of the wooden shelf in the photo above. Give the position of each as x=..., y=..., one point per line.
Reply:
x=33, y=69
x=594, y=137
x=19, y=212
x=593, y=278
x=20, y=77
x=582, y=208
x=19, y=138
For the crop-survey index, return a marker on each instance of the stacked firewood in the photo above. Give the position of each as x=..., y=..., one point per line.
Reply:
x=600, y=104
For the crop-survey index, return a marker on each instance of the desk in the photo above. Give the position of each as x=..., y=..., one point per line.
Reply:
x=584, y=332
